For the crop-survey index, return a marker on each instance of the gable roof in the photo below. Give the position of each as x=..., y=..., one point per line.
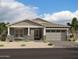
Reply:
x=38, y=22
x=25, y=23
x=47, y=23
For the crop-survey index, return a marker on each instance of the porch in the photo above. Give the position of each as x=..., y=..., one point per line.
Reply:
x=26, y=33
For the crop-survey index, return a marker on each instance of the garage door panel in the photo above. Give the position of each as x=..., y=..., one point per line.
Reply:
x=55, y=36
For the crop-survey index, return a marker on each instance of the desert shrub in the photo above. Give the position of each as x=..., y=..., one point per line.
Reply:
x=50, y=44
x=23, y=45
x=3, y=38
x=1, y=45
x=71, y=36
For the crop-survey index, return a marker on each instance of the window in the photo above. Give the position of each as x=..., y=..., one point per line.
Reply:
x=47, y=30
x=63, y=31
x=12, y=31
x=57, y=30
x=19, y=32
x=50, y=30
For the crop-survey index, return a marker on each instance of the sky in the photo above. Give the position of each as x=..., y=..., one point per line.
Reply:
x=48, y=6
x=57, y=11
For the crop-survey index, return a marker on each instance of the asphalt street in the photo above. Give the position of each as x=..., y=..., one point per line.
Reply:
x=39, y=53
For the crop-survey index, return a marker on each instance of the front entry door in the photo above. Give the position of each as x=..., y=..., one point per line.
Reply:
x=37, y=34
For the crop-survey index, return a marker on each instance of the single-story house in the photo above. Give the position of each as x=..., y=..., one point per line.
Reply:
x=38, y=29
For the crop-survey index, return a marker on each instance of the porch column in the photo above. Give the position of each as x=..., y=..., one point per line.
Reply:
x=28, y=31
x=67, y=34
x=44, y=31
x=44, y=34
x=8, y=30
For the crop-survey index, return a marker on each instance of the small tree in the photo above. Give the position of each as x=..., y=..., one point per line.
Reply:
x=74, y=27
x=3, y=31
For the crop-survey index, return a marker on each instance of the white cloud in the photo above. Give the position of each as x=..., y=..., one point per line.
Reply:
x=12, y=10
x=76, y=13
x=61, y=17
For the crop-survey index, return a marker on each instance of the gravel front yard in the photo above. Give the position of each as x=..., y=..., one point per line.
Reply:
x=38, y=44
x=23, y=44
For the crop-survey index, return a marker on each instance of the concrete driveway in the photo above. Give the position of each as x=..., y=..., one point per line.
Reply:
x=64, y=44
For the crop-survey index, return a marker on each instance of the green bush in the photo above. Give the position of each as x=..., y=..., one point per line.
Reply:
x=3, y=38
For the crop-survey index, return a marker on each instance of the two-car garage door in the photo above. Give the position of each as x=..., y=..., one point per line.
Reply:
x=56, y=35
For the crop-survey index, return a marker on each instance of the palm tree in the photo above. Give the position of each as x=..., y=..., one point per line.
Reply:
x=74, y=27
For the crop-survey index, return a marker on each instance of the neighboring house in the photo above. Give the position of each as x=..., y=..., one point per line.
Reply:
x=38, y=29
